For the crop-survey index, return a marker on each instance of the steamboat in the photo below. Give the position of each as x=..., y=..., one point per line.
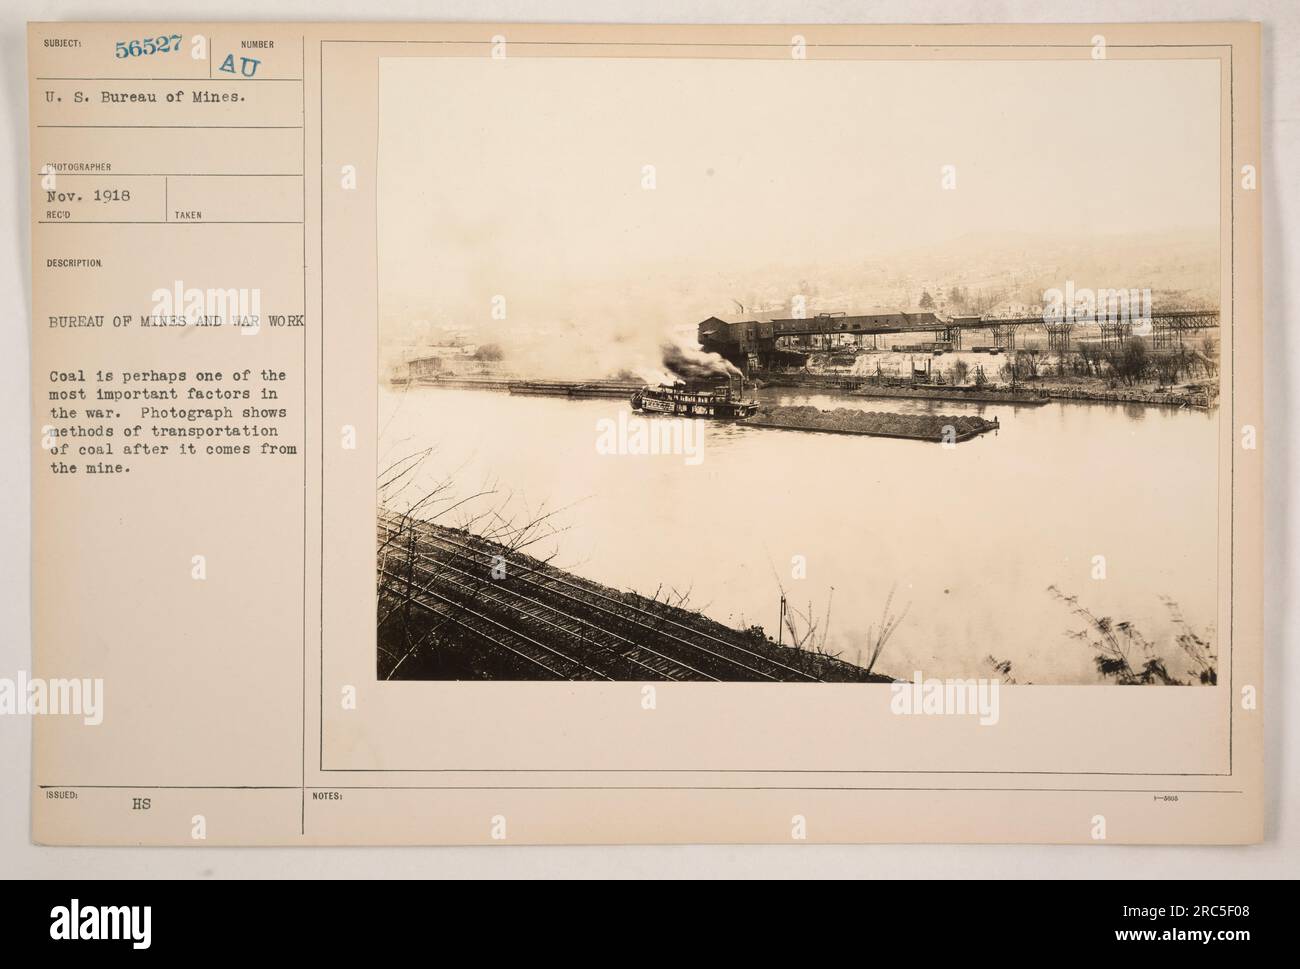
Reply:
x=718, y=402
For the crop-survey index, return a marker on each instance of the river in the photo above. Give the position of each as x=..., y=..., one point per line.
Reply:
x=968, y=538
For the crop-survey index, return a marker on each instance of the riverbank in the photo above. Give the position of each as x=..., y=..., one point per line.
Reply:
x=1198, y=400
x=1041, y=392
x=539, y=388
x=456, y=606
x=970, y=395
x=1030, y=394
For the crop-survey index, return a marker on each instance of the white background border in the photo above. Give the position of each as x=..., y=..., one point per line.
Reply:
x=1278, y=857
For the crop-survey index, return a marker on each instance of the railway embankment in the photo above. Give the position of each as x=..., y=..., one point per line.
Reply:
x=456, y=606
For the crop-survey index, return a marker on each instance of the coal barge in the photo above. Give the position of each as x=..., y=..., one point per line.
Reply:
x=719, y=403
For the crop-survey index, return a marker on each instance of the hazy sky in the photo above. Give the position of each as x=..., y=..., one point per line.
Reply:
x=523, y=177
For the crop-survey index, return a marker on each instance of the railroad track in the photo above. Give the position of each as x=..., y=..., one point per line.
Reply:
x=679, y=647
x=560, y=665
x=637, y=659
x=652, y=640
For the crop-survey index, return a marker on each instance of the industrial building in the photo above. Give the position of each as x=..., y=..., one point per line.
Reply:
x=759, y=343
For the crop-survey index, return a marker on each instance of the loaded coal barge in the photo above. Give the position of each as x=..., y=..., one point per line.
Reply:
x=717, y=402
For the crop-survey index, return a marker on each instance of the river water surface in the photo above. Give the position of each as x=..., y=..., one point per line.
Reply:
x=968, y=538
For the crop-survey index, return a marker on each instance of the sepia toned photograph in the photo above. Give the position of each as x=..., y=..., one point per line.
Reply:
x=595, y=436
x=780, y=370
